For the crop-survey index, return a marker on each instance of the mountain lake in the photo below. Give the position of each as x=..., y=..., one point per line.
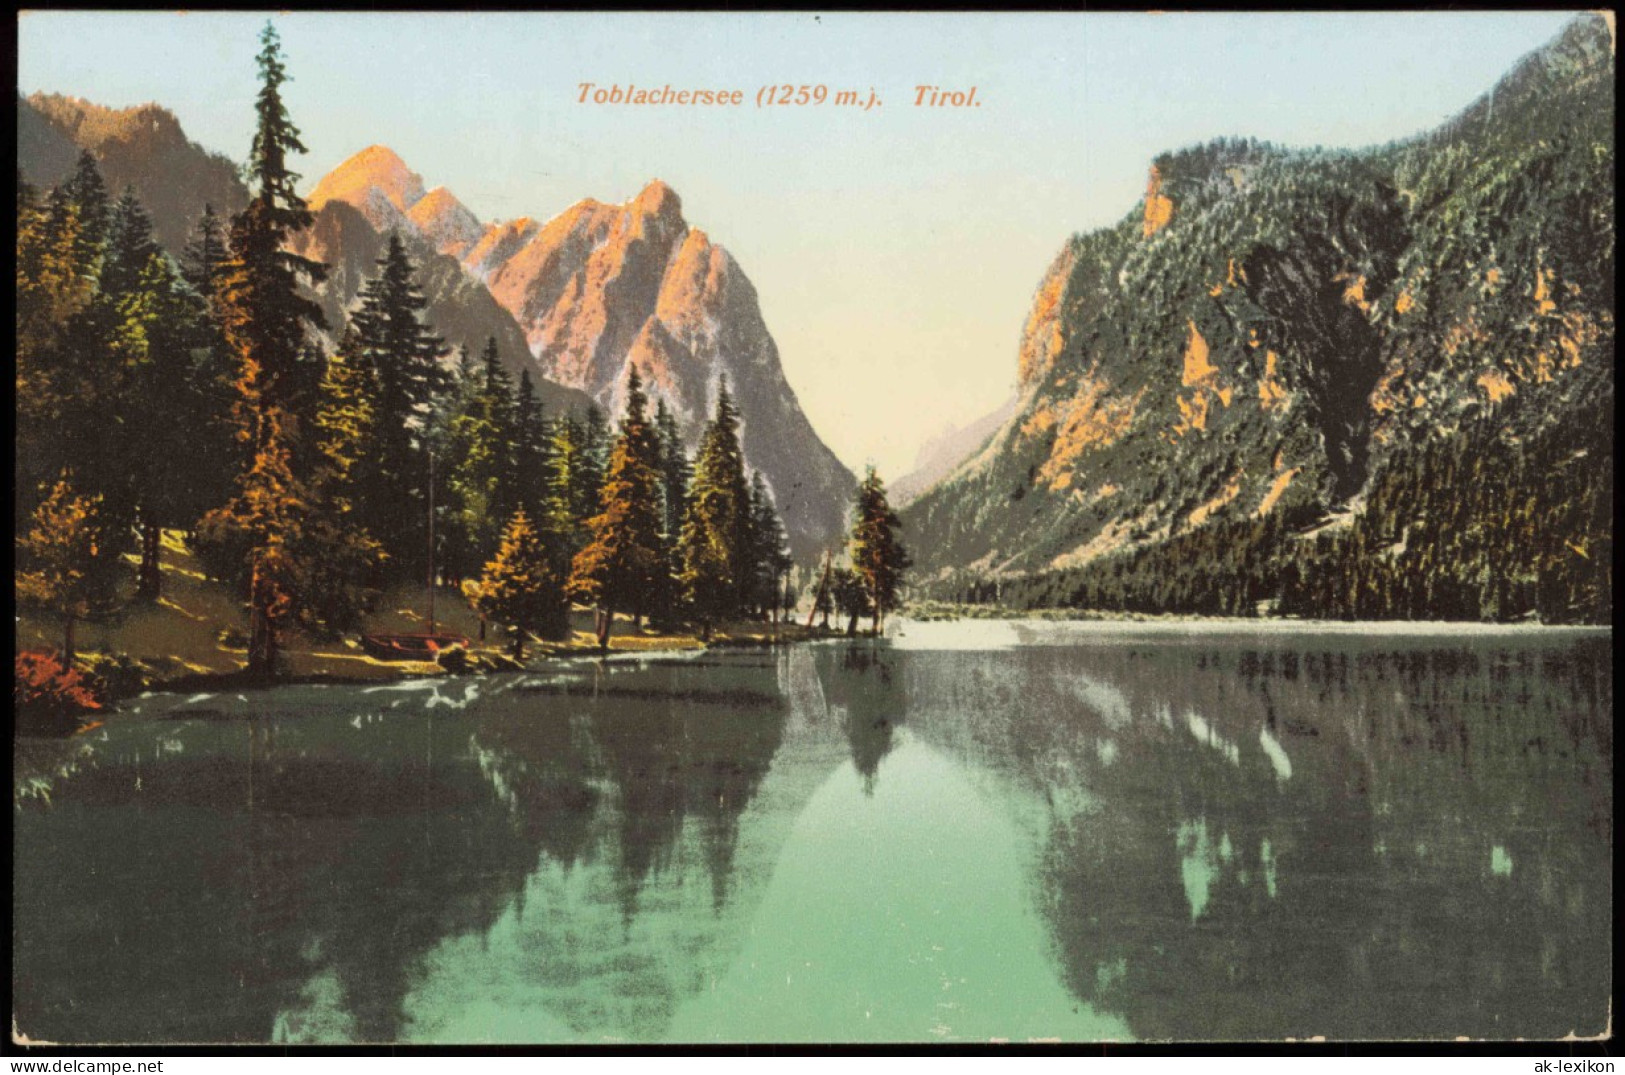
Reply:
x=968, y=831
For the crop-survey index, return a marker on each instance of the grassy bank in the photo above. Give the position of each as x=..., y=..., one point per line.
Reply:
x=195, y=635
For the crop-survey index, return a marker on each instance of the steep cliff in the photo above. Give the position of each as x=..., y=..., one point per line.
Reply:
x=1270, y=332
x=593, y=291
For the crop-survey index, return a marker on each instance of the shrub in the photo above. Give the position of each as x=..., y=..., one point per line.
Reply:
x=112, y=676
x=44, y=686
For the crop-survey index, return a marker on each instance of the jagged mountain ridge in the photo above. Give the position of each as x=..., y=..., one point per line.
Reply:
x=1269, y=329
x=599, y=288
x=142, y=147
x=174, y=178
x=945, y=452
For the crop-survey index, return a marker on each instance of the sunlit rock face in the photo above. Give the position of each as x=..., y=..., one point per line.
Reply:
x=1271, y=330
x=600, y=289
x=143, y=148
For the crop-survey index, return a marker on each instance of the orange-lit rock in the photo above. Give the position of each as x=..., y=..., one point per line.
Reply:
x=1042, y=337
x=1159, y=208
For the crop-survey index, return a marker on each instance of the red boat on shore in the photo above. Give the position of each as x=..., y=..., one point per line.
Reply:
x=414, y=647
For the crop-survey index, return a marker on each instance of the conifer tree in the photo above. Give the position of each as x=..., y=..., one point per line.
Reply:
x=569, y=477
x=215, y=454
x=263, y=320
x=344, y=558
x=54, y=290
x=530, y=443
x=163, y=403
x=86, y=191
x=850, y=595
x=406, y=359
x=675, y=474
x=768, y=559
x=205, y=252
x=130, y=245
x=589, y=475
x=717, y=520
x=65, y=562
x=878, y=556
x=622, y=568
x=520, y=587
x=476, y=458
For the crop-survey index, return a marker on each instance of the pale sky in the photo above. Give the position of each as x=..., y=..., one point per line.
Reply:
x=895, y=251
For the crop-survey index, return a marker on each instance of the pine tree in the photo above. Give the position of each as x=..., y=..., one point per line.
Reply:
x=675, y=474
x=263, y=322
x=344, y=558
x=406, y=359
x=215, y=454
x=476, y=457
x=850, y=595
x=163, y=403
x=520, y=588
x=65, y=563
x=530, y=444
x=622, y=568
x=878, y=556
x=88, y=195
x=205, y=252
x=568, y=479
x=54, y=290
x=768, y=559
x=715, y=526
x=588, y=482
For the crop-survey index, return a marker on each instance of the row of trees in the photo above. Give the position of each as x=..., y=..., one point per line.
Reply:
x=155, y=395
x=1510, y=518
x=666, y=538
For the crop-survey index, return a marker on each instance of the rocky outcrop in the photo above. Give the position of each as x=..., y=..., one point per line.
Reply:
x=1269, y=329
x=142, y=147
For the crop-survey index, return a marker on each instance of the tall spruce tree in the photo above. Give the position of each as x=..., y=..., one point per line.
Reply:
x=54, y=291
x=406, y=358
x=530, y=444
x=158, y=333
x=477, y=452
x=520, y=587
x=65, y=563
x=569, y=477
x=264, y=320
x=716, y=523
x=675, y=473
x=768, y=558
x=622, y=566
x=878, y=557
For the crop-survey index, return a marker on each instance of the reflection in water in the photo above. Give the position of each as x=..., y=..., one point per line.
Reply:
x=1285, y=841
x=1078, y=834
x=863, y=684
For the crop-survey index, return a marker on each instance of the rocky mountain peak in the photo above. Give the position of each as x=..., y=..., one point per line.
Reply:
x=600, y=288
x=375, y=181
x=659, y=200
x=446, y=222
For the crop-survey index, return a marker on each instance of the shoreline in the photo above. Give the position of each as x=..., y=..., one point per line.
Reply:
x=941, y=613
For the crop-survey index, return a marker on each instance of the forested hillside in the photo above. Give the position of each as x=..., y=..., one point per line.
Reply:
x=1373, y=383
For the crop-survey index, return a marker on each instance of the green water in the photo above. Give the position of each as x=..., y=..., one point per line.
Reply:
x=970, y=832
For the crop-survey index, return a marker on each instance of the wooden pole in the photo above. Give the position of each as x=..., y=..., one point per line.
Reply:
x=818, y=594
x=431, y=542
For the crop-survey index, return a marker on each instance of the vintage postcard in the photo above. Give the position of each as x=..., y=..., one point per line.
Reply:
x=658, y=528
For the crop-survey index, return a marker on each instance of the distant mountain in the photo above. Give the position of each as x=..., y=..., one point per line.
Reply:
x=141, y=147
x=1371, y=383
x=601, y=287
x=459, y=309
x=943, y=454
x=174, y=178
